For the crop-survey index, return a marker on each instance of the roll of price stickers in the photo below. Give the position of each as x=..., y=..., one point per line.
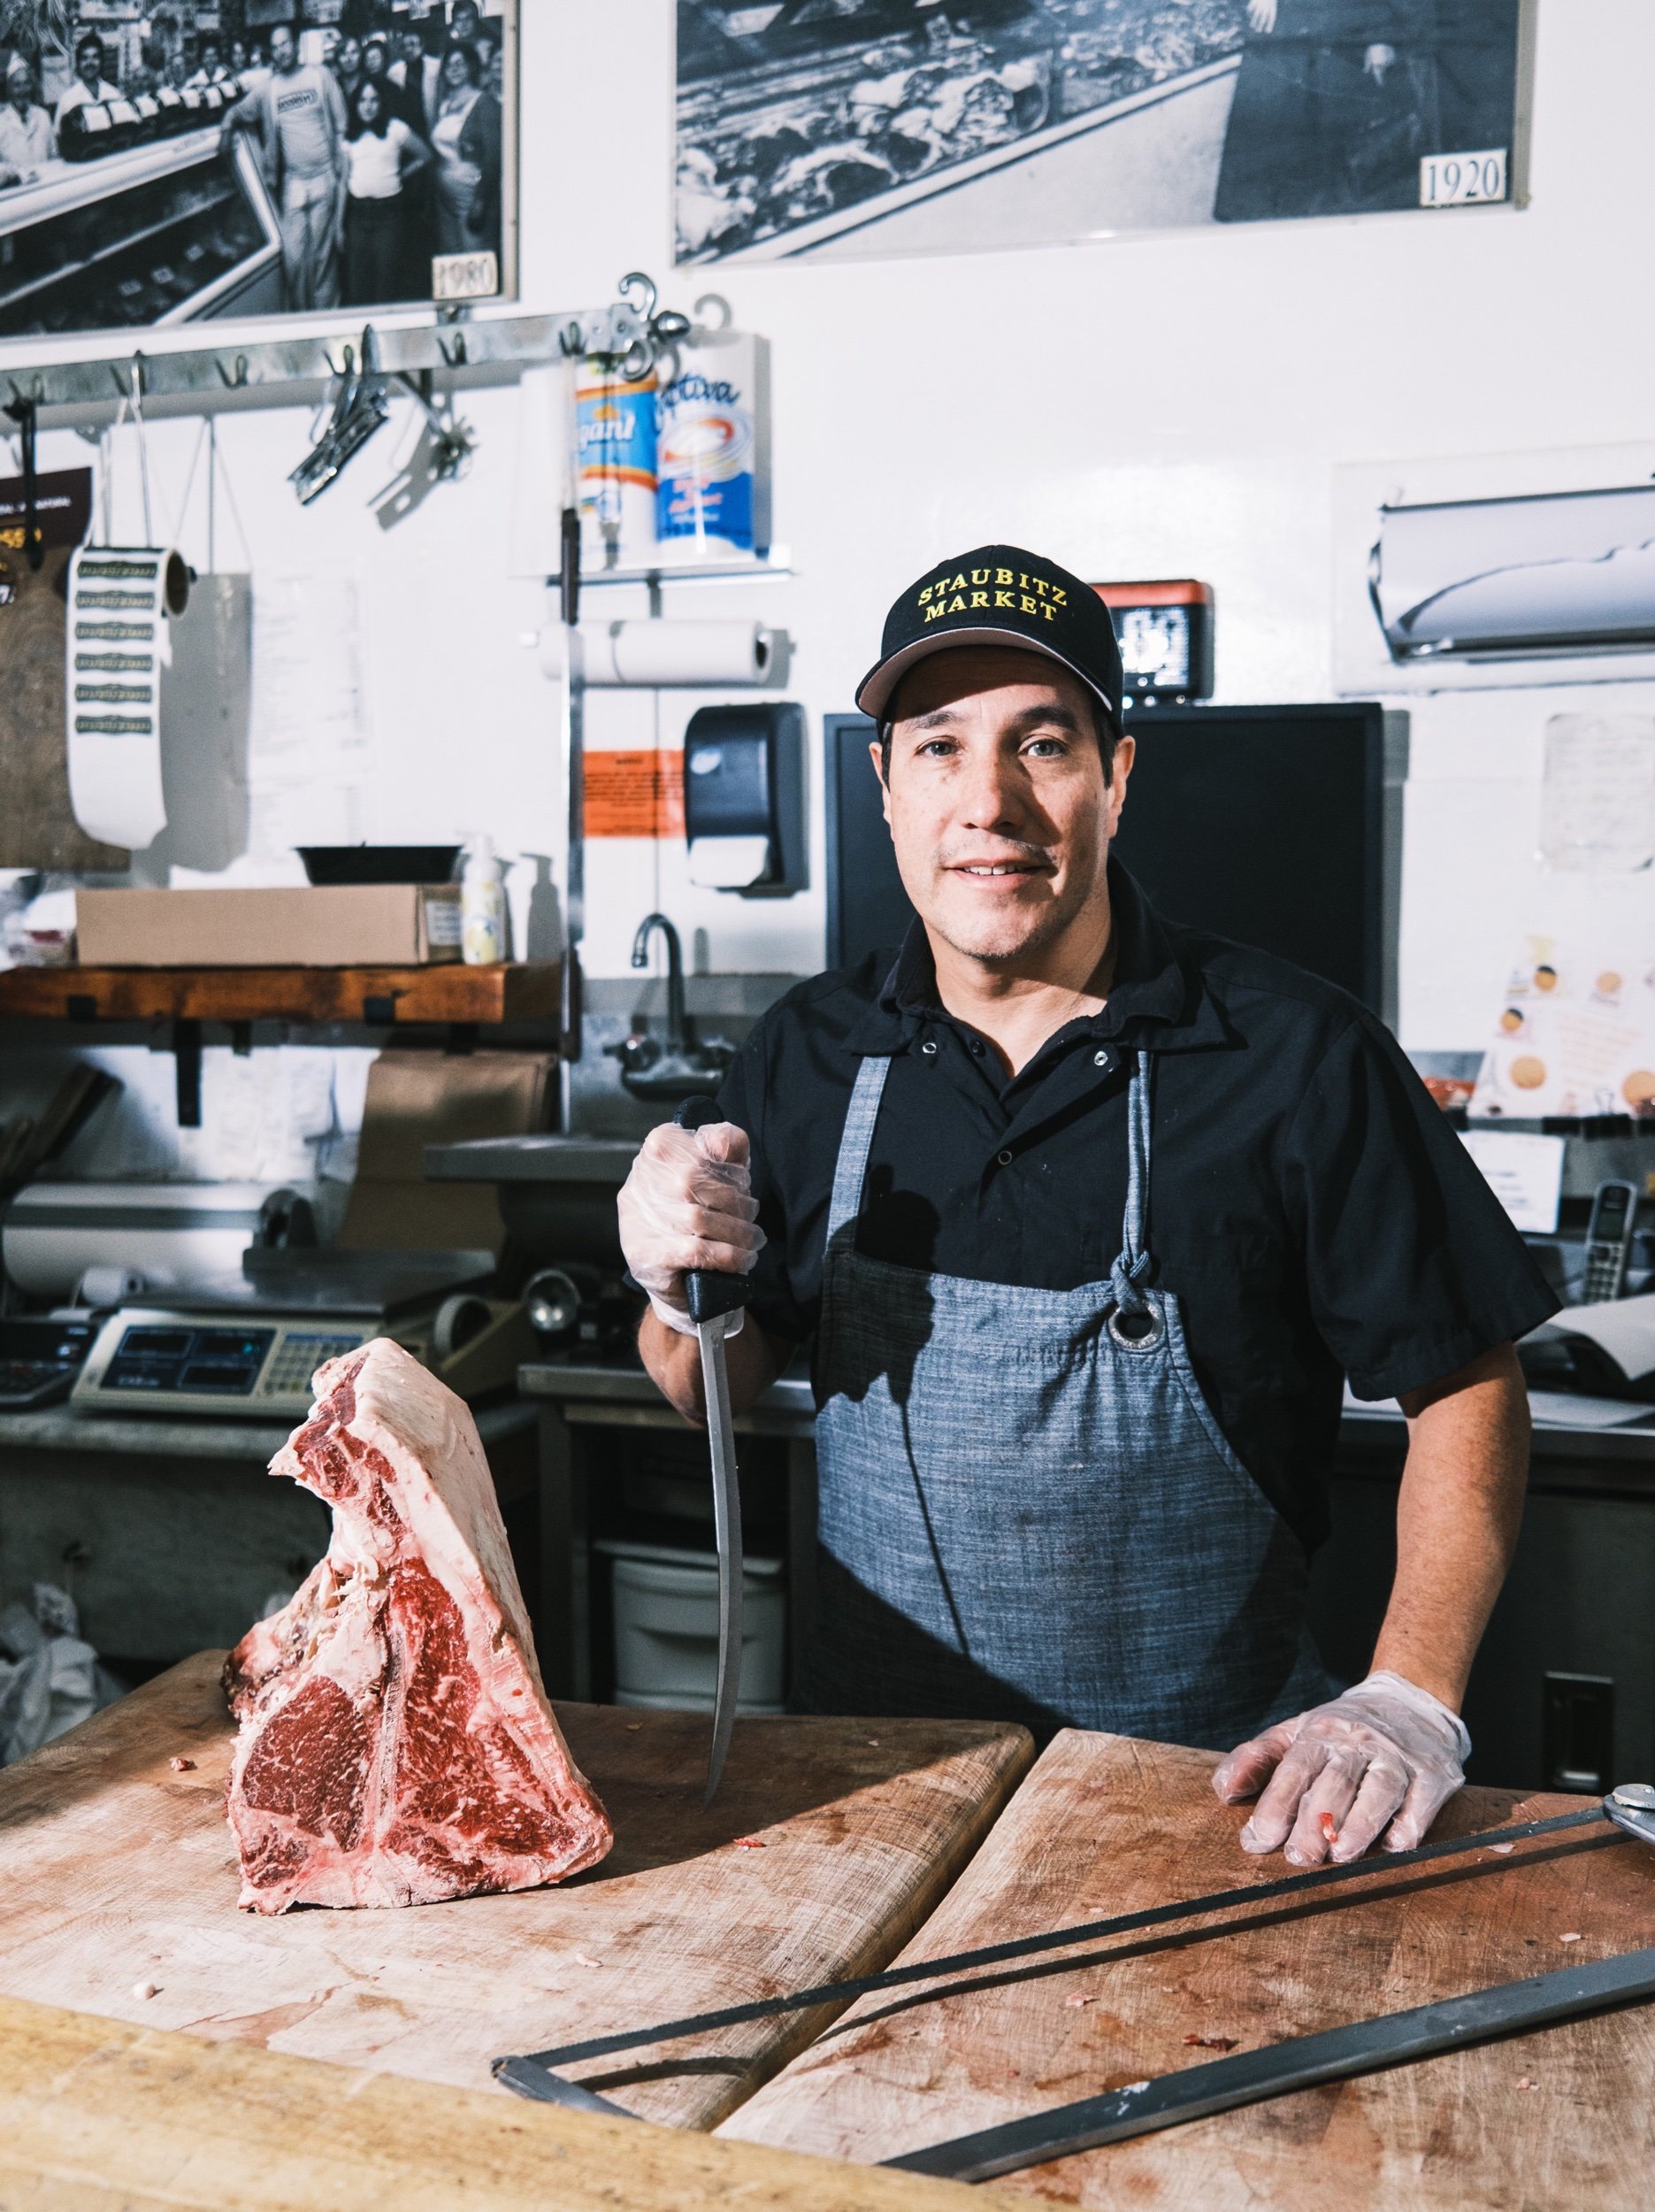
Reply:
x=120, y=599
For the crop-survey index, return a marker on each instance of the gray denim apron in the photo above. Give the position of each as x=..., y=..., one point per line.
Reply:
x=1027, y=1510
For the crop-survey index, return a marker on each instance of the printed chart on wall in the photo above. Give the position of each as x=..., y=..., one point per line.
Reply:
x=194, y=162
x=851, y=128
x=1574, y=1035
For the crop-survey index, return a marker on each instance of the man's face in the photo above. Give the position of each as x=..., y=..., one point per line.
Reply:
x=464, y=22
x=210, y=57
x=89, y=66
x=997, y=801
x=413, y=48
x=281, y=49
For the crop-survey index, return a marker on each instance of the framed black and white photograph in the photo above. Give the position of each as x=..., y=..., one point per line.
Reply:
x=175, y=161
x=847, y=128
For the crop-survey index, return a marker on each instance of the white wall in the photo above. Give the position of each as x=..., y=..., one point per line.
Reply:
x=1176, y=404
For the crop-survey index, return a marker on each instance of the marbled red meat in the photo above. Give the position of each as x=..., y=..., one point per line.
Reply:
x=396, y=1746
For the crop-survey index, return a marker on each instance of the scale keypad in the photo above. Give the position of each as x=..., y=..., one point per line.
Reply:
x=298, y=1356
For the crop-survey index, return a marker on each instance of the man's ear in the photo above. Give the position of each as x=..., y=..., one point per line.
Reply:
x=876, y=753
x=1119, y=769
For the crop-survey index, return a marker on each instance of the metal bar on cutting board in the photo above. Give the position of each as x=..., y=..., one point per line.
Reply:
x=1364, y=2047
x=1050, y=1939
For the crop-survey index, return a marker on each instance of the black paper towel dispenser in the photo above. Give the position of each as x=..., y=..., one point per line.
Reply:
x=744, y=799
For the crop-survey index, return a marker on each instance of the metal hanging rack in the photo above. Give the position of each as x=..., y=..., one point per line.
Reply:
x=630, y=331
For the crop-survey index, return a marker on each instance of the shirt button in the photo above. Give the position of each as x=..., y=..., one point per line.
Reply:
x=976, y=1048
x=1004, y=1158
x=929, y=1048
x=1100, y=1059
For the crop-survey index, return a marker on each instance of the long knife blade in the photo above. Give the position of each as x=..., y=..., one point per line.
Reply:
x=713, y=1298
x=727, y=1533
x=1197, y=2092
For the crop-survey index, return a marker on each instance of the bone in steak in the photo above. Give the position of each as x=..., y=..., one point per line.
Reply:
x=396, y=1746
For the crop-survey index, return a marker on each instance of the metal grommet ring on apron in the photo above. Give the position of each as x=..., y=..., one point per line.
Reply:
x=1135, y=1331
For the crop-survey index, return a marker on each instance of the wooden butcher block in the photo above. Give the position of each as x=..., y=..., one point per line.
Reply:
x=1104, y=1825
x=118, y=1875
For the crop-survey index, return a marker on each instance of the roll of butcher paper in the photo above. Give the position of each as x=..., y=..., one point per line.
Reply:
x=120, y=598
x=664, y=655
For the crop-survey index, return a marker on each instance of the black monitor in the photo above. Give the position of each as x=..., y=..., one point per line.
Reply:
x=1279, y=826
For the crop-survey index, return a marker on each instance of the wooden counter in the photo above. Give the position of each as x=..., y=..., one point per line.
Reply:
x=117, y=1872
x=1102, y=1827
x=445, y=991
x=98, y=2115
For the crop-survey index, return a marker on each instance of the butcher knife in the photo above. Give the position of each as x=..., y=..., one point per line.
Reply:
x=713, y=1299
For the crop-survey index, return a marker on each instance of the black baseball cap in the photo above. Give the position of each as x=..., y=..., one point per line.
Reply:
x=998, y=595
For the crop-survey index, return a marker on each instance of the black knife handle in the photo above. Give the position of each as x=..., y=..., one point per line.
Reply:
x=710, y=1294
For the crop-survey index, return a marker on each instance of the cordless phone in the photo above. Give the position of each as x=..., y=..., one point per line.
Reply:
x=1609, y=1241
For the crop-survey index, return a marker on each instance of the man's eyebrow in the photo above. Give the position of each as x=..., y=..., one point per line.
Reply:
x=1054, y=716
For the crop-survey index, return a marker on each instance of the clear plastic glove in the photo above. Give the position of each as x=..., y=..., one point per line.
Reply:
x=1387, y=1752
x=688, y=1203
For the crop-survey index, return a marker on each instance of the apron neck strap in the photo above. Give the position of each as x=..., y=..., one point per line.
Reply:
x=853, y=1145
x=1134, y=1267
x=1132, y=1271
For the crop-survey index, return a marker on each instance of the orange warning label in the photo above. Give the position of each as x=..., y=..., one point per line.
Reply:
x=634, y=794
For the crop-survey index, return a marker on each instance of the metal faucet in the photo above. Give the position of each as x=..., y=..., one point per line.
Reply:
x=677, y=1043
x=678, y=1069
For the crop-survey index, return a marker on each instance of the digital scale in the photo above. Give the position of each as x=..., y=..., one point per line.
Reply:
x=250, y=1344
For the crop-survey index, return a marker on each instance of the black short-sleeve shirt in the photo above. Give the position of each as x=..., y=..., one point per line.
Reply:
x=1308, y=1203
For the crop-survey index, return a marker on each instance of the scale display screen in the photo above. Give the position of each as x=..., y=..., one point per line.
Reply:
x=220, y=1363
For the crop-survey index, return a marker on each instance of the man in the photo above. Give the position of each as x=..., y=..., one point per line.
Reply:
x=1086, y=1214
x=466, y=29
x=90, y=85
x=210, y=69
x=1335, y=101
x=26, y=133
x=346, y=64
x=417, y=74
x=300, y=120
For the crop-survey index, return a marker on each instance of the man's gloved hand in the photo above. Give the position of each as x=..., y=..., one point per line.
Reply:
x=688, y=1203
x=1386, y=1751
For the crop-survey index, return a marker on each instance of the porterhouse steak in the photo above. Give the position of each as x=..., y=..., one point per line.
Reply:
x=396, y=1746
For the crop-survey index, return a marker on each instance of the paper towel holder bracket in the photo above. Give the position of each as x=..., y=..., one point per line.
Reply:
x=744, y=812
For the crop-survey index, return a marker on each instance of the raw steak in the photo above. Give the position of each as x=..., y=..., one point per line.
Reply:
x=396, y=1746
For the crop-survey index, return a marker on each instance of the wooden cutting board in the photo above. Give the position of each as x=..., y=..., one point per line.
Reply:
x=1104, y=1825
x=97, y=2116
x=118, y=1872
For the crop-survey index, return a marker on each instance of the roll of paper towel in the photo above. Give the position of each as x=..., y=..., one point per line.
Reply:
x=665, y=655
x=110, y=1286
x=615, y=434
x=175, y=1235
x=120, y=598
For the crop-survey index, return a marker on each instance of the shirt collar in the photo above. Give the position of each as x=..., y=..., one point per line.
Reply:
x=1157, y=1003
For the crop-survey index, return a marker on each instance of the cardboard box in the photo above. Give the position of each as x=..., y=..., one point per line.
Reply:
x=343, y=925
